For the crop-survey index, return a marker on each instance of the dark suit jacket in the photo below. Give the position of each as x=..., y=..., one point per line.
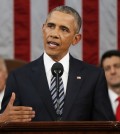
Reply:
x=86, y=98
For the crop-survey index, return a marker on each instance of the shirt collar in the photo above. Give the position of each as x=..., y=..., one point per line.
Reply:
x=113, y=95
x=48, y=62
x=2, y=94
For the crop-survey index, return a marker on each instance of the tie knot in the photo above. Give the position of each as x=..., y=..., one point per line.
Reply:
x=118, y=99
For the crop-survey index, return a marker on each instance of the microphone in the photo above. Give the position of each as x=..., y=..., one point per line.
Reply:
x=57, y=71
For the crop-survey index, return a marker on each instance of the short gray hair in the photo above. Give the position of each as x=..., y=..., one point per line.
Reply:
x=71, y=11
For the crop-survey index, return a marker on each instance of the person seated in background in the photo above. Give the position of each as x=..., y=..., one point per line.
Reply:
x=3, y=77
x=110, y=61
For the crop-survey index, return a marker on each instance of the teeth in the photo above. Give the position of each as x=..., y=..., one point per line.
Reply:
x=52, y=44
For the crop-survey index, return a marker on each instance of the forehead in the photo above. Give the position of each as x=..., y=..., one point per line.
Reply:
x=111, y=60
x=57, y=16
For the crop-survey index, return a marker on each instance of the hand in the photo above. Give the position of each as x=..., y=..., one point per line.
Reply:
x=16, y=113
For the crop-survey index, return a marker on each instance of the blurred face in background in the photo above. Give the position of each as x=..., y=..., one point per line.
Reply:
x=111, y=66
x=3, y=75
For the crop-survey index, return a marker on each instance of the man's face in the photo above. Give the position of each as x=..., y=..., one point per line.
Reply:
x=59, y=33
x=111, y=66
x=3, y=76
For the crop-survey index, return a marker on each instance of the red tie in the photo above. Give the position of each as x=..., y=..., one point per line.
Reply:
x=118, y=110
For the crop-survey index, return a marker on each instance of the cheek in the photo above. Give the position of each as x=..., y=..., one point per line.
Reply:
x=118, y=72
x=46, y=32
x=2, y=81
x=107, y=75
x=67, y=39
x=2, y=76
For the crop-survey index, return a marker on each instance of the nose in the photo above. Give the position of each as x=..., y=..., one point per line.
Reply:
x=112, y=70
x=54, y=33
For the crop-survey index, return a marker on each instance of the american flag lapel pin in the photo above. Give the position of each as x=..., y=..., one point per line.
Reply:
x=78, y=77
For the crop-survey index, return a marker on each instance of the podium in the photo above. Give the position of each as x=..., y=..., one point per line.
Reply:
x=82, y=127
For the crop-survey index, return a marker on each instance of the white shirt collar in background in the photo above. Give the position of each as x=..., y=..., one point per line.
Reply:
x=113, y=96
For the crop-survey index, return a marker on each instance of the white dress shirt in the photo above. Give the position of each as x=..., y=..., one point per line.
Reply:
x=48, y=62
x=1, y=97
x=113, y=96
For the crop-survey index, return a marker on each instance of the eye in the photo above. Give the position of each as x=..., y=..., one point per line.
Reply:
x=106, y=69
x=65, y=29
x=50, y=25
x=117, y=66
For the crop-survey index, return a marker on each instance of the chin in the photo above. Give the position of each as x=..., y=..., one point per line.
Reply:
x=115, y=85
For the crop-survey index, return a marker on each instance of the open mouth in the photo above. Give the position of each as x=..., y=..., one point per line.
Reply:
x=53, y=44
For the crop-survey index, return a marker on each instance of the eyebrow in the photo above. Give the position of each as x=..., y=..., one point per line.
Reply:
x=50, y=23
x=61, y=26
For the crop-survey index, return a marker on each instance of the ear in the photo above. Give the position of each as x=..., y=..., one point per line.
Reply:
x=6, y=74
x=76, y=39
x=43, y=26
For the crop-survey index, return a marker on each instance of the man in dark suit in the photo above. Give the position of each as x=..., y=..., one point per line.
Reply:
x=85, y=87
x=110, y=61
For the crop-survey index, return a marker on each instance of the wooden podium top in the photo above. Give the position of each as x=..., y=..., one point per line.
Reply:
x=82, y=127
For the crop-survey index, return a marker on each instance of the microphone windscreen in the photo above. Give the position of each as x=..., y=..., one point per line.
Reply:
x=57, y=68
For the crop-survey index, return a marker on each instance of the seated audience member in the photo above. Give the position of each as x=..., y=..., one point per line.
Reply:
x=110, y=61
x=3, y=77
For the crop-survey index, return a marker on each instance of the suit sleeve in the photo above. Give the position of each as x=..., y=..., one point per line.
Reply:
x=102, y=107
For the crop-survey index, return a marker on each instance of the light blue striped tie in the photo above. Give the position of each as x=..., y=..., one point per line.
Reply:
x=58, y=102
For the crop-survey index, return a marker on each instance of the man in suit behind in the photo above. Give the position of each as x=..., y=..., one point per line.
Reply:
x=110, y=61
x=85, y=87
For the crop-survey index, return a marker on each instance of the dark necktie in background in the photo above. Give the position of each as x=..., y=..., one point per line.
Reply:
x=118, y=110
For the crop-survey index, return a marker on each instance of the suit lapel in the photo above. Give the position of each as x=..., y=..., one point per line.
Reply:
x=40, y=83
x=75, y=80
x=39, y=80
